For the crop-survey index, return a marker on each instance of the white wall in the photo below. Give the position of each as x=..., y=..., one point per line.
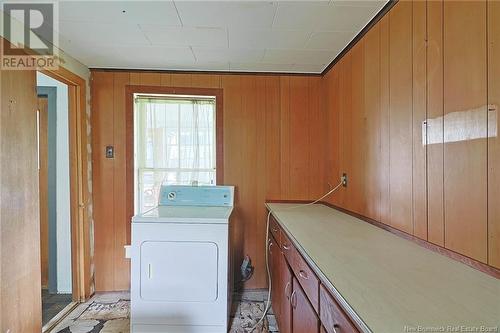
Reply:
x=62, y=184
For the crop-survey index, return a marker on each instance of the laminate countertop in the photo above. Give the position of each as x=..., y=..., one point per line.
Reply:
x=387, y=283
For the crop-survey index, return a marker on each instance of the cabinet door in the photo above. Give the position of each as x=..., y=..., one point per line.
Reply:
x=276, y=282
x=304, y=319
x=284, y=292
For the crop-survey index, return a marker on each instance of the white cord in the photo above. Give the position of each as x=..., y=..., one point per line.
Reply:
x=268, y=305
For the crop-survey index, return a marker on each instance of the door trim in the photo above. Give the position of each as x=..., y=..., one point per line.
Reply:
x=82, y=277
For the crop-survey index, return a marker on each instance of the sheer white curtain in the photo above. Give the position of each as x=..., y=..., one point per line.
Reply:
x=174, y=144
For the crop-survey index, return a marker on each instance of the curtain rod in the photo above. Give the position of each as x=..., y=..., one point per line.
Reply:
x=166, y=98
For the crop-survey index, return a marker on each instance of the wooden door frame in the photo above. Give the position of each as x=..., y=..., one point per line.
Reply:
x=79, y=195
x=130, y=90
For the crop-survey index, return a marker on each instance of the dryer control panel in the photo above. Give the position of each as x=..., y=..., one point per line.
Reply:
x=179, y=195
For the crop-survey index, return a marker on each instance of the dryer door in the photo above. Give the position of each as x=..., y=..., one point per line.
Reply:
x=179, y=271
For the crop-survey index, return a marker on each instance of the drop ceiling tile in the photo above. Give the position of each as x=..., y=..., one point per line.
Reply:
x=299, y=15
x=322, y=17
x=263, y=39
x=261, y=67
x=130, y=56
x=185, y=36
x=207, y=66
x=345, y=18
x=330, y=40
x=257, y=14
x=312, y=57
x=152, y=12
x=102, y=33
x=228, y=54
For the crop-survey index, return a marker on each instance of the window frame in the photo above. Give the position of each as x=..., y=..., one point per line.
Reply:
x=140, y=127
x=130, y=92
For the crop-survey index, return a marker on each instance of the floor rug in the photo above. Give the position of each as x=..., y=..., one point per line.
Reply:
x=110, y=313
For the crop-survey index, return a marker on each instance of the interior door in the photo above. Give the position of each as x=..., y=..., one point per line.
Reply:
x=304, y=319
x=43, y=188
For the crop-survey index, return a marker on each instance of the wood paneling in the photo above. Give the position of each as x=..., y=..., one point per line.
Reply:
x=121, y=217
x=20, y=301
x=372, y=144
x=435, y=121
x=385, y=189
x=493, y=126
x=288, y=137
x=103, y=181
x=357, y=131
x=345, y=121
x=419, y=119
x=330, y=91
x=43, y=184
x=424, y=63
x=400, y=116
x=465, y=96
x=273, y=138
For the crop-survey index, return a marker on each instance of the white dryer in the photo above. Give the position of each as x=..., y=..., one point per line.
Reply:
x=180, y=262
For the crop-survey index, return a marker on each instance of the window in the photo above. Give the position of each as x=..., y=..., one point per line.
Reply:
x=174, y=144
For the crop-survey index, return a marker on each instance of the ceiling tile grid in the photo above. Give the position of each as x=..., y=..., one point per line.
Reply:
x=255, y=36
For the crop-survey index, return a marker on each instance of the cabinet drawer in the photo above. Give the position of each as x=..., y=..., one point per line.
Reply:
x=274, y=228
x=332, y=316
x=305, y=275
x=286, y=246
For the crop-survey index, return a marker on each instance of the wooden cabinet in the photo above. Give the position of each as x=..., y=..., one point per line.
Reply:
x=332, y=316
x=274, y=265
x=281, y=280
x=297, y=295
x=305, y=276
x=284, y=292
x=304, y=319
x=274, y=230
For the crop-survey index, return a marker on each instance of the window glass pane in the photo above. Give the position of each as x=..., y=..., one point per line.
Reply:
x=175, y=144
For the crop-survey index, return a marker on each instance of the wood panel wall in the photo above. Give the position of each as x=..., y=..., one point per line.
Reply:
x=421, y=66
x=20, y=308
x=273, y=149
x=290, y=137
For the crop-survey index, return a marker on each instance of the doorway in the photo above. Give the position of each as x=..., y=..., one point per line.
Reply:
x=54, y=188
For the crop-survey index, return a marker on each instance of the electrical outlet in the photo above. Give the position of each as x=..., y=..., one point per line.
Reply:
x=344, y=179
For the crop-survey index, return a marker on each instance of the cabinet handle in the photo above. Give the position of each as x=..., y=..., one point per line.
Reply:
x=335, y=326
x=286, y=247
x=270, y=245
x=286, y=291
x=274, y=230
x=303, y=275
x=293, y=299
